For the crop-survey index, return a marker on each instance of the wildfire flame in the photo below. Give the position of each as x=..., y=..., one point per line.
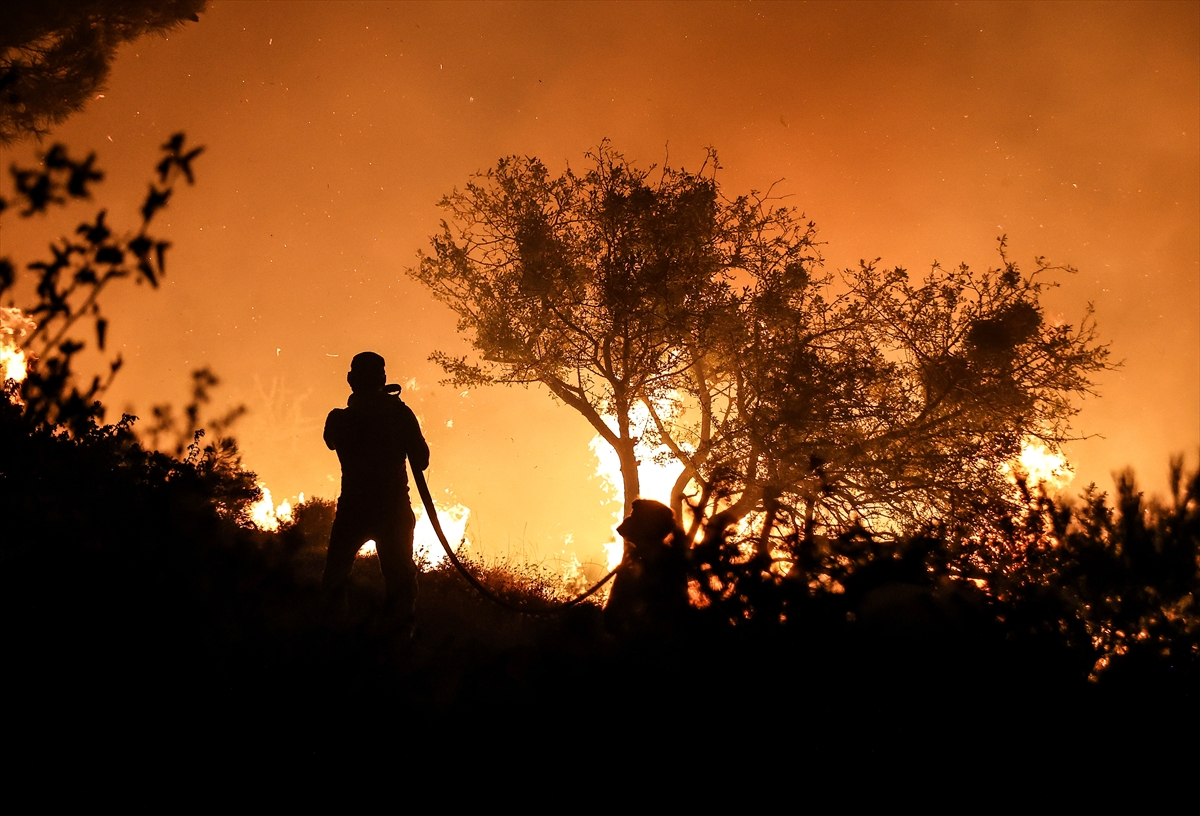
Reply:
x=1038, y=464
x=655, y=480
x=577, y=577
x=266, y=515
x=1041, y=467
x=427, y=550
x=14, y=328
x=426, y=547
x=269, y=517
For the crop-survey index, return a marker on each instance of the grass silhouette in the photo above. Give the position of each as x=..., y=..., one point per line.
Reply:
x=132, y=592
x=134, y=599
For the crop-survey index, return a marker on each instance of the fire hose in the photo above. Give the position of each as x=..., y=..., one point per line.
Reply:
x=427, y=500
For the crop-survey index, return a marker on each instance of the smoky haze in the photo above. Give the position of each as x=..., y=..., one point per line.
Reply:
x=908, y=132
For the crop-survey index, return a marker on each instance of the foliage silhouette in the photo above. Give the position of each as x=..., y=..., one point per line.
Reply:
x=585, y=283
x=129, y=566
x=55, y=55
x=1113, y=581
x=133, y=594
x=69, y=284
x=175, y=434
x=669, y=315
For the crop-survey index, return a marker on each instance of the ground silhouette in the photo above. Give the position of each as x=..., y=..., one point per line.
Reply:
x=129, y=568
x=135, y=599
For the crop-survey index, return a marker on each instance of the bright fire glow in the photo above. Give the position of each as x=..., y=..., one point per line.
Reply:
x=574, y=579
x=266, y=515
x=14, y=328
x=426, y=547
x=427, y=550
x=1041, y=467
x=656, y=481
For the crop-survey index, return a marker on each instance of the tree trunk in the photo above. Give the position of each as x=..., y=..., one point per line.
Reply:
x=630, y=484
x=771, y=504
x=624, y=445
x=681, y=482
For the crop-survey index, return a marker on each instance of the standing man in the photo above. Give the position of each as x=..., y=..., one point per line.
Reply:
x=373, y=435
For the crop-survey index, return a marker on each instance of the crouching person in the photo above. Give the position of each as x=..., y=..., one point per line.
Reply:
x=650, y=592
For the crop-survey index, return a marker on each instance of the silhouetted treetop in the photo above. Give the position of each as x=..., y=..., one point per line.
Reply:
x=56, y=54
x=675, y=317
x=70, y=283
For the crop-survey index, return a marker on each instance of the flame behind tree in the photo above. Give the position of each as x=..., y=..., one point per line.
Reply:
x=66, y=297
x=589, y=284
x=264, y=514
x=70, y=284
x=14, y=328
x=1041, y=467
x=427, y=549
x=803, y=400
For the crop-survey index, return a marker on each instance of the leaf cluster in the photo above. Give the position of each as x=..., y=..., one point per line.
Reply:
x=56, y=55
x=583, y=282
x=68, y=285
x=703, y=330
x=1102, y=589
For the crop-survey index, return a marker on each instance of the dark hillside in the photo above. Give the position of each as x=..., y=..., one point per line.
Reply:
x=136, y=604
x=132, y=599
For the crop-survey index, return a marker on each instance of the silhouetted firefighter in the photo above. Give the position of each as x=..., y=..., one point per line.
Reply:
x=649, y=594
x=373, y=435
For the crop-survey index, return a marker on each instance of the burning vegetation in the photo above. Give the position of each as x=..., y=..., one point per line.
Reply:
x=265, y=515
x=15, y=327
x=176, y=584
x=767, y=401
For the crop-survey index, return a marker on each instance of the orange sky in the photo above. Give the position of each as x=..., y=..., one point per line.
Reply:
x=909, y=132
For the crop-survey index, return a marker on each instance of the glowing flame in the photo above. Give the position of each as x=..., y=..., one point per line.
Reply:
x=1041, y=467
x=655, y=481
x=427, y=550
x=266, y=515
x=426, y=547
x=573, y=577
x=14, y=328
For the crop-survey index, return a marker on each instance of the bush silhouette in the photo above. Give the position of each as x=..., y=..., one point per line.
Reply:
x=132, y=590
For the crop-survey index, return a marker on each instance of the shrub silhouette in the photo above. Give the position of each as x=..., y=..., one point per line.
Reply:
x=55, y=57
x=83, y=266
x=131, y=590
